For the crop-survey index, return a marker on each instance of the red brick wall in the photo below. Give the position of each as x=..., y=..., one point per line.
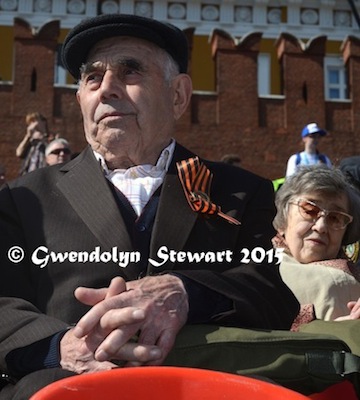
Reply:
x=263, y=131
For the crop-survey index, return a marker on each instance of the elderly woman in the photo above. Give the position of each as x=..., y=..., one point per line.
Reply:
x=57, y=152
x=318, y=213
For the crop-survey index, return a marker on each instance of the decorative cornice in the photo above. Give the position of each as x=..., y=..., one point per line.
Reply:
x=332, y=18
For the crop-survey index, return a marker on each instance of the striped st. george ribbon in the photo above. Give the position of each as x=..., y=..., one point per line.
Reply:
x=196, y=180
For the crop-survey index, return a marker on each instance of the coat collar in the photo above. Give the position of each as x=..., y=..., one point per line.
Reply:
x=88, y=192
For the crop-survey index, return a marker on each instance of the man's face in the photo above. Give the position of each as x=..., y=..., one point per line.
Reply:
x=311, y=141
x=129, y=108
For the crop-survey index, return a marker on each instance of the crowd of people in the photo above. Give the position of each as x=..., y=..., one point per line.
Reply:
x=39, y=147
x=110, y=254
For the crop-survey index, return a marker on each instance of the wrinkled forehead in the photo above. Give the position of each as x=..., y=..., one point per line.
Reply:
x=120, y=47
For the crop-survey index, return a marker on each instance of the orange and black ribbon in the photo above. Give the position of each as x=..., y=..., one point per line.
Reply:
x=196, y=181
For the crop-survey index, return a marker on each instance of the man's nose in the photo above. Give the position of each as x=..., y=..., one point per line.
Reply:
x=111, y=85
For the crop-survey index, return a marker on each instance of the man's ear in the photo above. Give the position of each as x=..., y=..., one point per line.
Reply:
x=182, y=86
x=78, y=96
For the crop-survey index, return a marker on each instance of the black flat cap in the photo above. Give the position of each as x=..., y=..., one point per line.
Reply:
x=85, y=35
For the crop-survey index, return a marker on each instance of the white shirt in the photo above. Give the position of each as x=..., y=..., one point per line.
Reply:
x=305, y=159
x=139, y=183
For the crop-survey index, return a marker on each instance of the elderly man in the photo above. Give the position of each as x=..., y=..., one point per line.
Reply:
x=137, y=236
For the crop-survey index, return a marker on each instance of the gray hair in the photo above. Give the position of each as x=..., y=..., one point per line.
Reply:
x=170, y=67
x=324, y=180
x=62, y=141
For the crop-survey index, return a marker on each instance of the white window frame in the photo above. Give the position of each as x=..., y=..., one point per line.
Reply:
x=264, y=71
x=335, y=63
x=60, y=75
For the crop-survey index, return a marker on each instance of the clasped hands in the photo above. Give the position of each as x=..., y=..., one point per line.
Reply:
x=153, y=309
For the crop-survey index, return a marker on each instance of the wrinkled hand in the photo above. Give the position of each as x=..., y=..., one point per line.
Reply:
x=154, y=307
x=354, y=308
x=77, y=354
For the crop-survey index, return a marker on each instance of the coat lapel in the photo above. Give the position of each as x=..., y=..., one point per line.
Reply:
x=88, y=192
x=173, y=210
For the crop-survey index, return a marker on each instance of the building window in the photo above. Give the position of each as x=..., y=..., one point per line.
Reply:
x=336, y=87
x=264, y=74
x=59, y=73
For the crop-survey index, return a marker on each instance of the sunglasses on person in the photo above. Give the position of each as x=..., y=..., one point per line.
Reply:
x=310, y=211
x=313, y=135
x=58, y=151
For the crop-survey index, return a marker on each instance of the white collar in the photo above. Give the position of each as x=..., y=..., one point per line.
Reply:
x=162, y=163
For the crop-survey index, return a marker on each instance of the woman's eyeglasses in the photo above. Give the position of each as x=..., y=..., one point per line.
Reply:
x=58, y=151
x=312, y=212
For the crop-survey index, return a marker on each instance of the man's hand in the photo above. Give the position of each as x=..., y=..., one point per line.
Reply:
x=77, y=355
x=154, y=307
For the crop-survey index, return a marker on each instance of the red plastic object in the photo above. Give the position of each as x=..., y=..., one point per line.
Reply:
x=160, y=383
x=343, y=390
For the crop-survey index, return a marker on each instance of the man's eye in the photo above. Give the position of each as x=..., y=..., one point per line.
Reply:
x=93, y=78
x=129, y=71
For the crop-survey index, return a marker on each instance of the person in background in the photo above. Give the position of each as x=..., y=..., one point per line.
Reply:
x=57, y=152
x=232, y=159
x=32, y=148
x=318, y=213
x=124, y=241
x=350, y=166
x=311, y=135
x=2, y=175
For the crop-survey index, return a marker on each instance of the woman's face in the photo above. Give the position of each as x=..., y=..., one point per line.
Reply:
x=315, y=239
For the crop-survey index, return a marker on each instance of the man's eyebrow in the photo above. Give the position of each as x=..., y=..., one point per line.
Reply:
x=126, y=62
x=132, y=63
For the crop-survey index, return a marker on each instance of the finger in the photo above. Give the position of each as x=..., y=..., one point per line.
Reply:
x=126, y=320
x=130, y=352
x=165, y=342
x=108, y=319
x=121, y=317
x=115, y=329
x=344, y=318
x=352, y=306
x=355, y=314
x=117, y=286
x=133, y=364
x=88, y=321
x=90, y=296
